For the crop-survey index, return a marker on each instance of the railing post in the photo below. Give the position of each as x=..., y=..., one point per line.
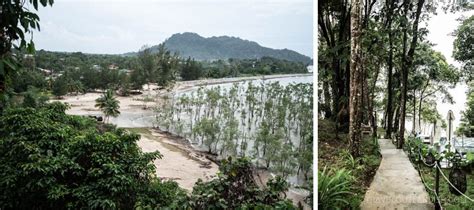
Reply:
x=437, y=204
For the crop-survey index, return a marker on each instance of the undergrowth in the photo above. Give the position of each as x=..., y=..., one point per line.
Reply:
x=350, y=174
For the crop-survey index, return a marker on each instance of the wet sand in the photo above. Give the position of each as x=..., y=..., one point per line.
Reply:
x=178, y=164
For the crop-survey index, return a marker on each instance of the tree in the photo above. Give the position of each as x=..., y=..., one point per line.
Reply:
x=463, y=43
x=355, y=98
x=60, y=86
x=467, y=119
x=108, y=104
x=166, y=66
x=407, y=62
x=146, y=72
x=190, y=70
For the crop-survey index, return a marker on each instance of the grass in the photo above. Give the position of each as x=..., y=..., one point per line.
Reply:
x=448, y=200
x=333, y=153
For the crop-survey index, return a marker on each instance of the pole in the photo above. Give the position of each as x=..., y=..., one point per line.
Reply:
x=437, y=204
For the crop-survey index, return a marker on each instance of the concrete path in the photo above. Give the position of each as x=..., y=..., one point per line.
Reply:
x=396, y=184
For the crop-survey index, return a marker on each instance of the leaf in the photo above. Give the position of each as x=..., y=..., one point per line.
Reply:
x=35, y=4
x=44, y=3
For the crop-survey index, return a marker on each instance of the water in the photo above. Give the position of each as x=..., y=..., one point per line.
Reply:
x=247, y=126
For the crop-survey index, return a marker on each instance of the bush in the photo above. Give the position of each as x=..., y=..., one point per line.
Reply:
x=235, y=188
x=333, y=189
x=51, y=160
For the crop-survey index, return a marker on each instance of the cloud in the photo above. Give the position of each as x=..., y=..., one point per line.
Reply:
x=118, y=26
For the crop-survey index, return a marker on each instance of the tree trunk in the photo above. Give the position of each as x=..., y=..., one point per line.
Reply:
x=389, y=85
x=407, y=65
x=355, y=80
x=327, y=100
x=414, y=112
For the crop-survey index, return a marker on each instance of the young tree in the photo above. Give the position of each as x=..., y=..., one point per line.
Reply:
x=108, y=104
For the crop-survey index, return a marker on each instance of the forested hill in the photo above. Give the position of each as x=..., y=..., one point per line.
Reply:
x=225, y=47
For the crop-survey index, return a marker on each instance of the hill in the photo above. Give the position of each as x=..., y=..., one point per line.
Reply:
x=224, y=47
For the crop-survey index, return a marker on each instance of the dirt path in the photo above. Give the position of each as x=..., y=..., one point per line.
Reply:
x=179, y=164
x=396, y=184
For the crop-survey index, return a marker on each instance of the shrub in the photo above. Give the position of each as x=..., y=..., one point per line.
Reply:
x=51, y=160
x=333, y=189
x=235, y=188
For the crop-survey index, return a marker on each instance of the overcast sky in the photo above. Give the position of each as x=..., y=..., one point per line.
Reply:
x=440, y=29
x=119, y=26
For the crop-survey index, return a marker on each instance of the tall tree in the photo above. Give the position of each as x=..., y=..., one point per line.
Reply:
x=166, y=66
x=407, y=62
x=355, y=99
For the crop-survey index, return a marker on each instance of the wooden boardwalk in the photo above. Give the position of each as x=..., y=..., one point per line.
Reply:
x=396, y=184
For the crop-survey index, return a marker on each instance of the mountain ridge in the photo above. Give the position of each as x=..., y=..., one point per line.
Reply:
x=189, y=44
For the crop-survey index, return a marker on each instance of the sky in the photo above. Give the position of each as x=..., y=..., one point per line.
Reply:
x=119, y=26
x=440, y=28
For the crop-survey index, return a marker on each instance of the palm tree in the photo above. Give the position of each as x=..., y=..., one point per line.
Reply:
x=108, y=104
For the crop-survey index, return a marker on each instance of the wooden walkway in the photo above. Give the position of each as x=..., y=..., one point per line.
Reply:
x=396, y=184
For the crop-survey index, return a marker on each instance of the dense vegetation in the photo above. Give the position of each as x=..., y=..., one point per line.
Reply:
x=269, y=122
x=75, y=73
x=54, y=160
x=223, y=47
x=342, y=178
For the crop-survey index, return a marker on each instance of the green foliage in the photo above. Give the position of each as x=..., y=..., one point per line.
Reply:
x=235, y=188
x=334, y=189
x=191, y=70
x=467, y=120
x=166, y=66
x=463, y=51
x=60, y=87
x=56, y=161
x=34, y=98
